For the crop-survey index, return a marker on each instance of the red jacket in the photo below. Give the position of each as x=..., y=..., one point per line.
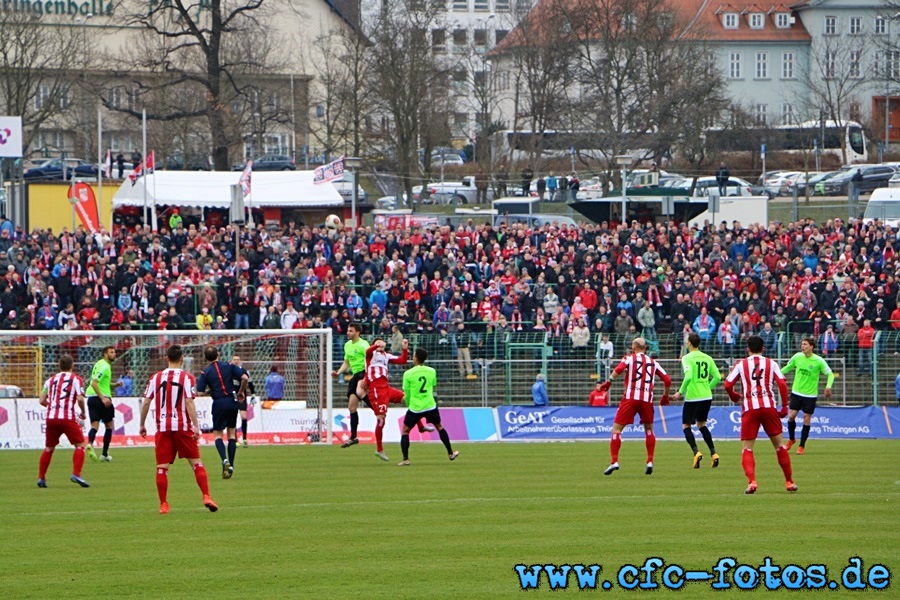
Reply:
x=866, y=337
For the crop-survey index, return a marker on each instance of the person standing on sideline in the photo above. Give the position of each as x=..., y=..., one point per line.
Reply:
x=481, y=186
x=418, y=390
x=552, y=186
x=640, y=372
x=700, y=377
x=355, y=362
x=758, y=375
x=598, y=396
x=805, y=389
x=539, y=391
x=99, y=403
x=274, y=385
x=380, y=393
x=220, y=378
x=722, y=175
x=59, y=395
x=527, y=176
x=855, y=185
x=171, y=392
x=242, y=404
x=120, y=164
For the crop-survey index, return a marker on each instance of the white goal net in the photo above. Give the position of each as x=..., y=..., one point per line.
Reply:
x=302, y=357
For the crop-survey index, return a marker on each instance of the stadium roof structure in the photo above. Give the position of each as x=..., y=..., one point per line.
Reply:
x=284, y=189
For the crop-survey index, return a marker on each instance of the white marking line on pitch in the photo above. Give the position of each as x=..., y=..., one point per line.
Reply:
x=436, y=501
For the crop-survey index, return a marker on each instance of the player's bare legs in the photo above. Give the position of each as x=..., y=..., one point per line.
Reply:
x=379, y=435
x=445, y=438
x=77, y=465
x=650, y=443
x=784, y=461
x=615, y=444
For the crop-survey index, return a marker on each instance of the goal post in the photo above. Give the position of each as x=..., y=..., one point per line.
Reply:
x=303, y=357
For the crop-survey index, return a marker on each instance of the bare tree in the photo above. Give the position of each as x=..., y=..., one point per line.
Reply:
x=39, y=70
x=215, y=49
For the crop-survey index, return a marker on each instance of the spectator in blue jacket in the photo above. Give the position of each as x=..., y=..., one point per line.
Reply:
x=539, y=391
x=378, y=298
x=705, y=326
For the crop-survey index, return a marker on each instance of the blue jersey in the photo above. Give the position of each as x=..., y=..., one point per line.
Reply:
x=274, y=386
x=221, y=378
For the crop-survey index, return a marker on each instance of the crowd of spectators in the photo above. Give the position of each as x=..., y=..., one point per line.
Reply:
x=724, y=281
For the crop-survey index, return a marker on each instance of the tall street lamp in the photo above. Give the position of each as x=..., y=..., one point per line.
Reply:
x=353, y=164
x=84, y=92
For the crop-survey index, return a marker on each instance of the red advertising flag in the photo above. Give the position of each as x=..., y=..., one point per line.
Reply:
x=82, y=198
x=149, y=164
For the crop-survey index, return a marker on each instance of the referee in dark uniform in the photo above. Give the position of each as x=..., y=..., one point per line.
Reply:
x=220, y=377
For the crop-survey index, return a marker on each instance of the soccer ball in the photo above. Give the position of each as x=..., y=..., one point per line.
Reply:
x=333, y=222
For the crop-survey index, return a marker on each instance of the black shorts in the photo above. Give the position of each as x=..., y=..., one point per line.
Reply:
x=696, y=410
x=354, y=382
x=224, y=414
x=433, y=416
x=803, y=403
x=99, y=412
x=242, y=405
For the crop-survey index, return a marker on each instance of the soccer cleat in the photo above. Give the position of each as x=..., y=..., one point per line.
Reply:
x=454, y=455
x=649, y=469
x=380, y=454
x=227, y=469
x=244, y=443
x=79, y=481
x=163, y=508
x=800, y=450
x=350, y=442
x=697, y=458
x=91, y=454
x=208, y=503
x=613, y=467
x=790, y=486
x=751, y=489
x=790, y=444
x=403, y=463
x=715, y=460
x=42, y=483
x=106, y=458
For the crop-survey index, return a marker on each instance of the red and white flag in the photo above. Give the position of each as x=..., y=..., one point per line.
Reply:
x=150, y=163
x=107, y=164
x=329, y=172
x=136, y=173
x=245, y=178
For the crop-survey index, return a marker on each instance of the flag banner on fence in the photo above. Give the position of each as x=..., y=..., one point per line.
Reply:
x=245, y=178
x=582, y=422
x=329, y=172
x=107, y=164
x=85, y=203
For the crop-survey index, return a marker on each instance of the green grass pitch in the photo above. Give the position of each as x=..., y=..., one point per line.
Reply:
x=322, y=522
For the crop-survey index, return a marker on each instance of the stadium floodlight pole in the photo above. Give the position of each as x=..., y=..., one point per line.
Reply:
x=624, y=161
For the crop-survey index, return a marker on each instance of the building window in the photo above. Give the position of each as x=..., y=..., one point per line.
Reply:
x=482, y=6
x=881, y=26
x=115, y=97
x=855, y=25
x=830, y=25
x=439, y=41
x=460, y=125
x=762, y=65
x=42, y=97
x=461, y=5
x=65, y=99
x=782, y=20
x=480, y=37
x=730, y=20
x=787, y=65
x=500, y=34
x=787, y=114
x=480, y=79
x=756, y=21
x=760, y=112
x=460, y=39
x=854, y=69
x=459, y=84
x=502, y=5
x=734, y=65
x=830, y=64
x=892, y=68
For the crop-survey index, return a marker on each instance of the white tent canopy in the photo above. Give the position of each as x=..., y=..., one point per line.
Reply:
x=212, y=189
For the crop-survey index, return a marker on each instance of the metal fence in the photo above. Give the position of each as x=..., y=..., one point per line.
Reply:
x=500, y=368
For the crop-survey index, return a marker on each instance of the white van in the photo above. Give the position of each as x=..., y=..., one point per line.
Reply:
x=884, y=205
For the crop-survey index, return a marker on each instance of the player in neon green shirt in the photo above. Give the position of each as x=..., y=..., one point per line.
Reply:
x=99, y=403
x=418, y=390
x=700, y=377
x=354, y=362
x=805, y=389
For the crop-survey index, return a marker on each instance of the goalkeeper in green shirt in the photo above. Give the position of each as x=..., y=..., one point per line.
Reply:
x=700, y=377
x=418, y=392
x=805, y=389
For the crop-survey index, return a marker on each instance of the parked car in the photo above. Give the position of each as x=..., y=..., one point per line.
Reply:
x=194, y=163
x=60, y=169
x=11, y=391
x=344, y=186
x=818, y=187
x=894, y=181
x=873, y=176
x=448, y=160
x=734, y=187
x=810, y=181
x=780, y=183
x=270, y=162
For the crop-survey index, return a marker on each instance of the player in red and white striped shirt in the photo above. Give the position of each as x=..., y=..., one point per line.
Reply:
x=171, y=392
x=640, y=374
x=380, y=393
x=60, y=394
x=759, y=376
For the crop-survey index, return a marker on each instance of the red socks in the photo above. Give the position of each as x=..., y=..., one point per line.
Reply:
x=749, y=463
x=614, y=445
x=46, y=457
x=77, y=461
x=784, y=461
x=379, y=434
x=202, y=478
x=650, y=441
x=162, y=483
